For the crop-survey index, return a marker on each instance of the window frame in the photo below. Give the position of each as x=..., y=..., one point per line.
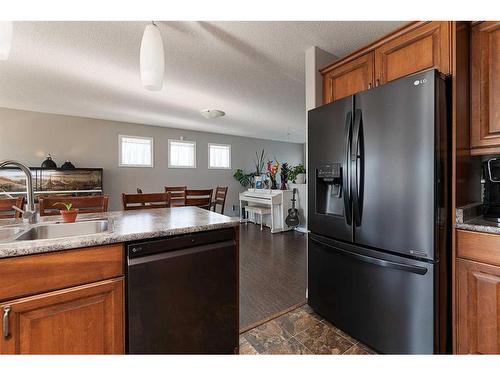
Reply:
x=120, y=162
x=230, y=155
x=181, y=166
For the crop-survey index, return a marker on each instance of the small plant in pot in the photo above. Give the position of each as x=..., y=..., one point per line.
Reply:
x=69, y=214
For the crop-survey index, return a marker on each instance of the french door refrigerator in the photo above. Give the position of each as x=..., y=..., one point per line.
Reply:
x=379, y=215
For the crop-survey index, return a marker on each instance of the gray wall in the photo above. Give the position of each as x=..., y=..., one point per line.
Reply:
x=29, y=136
x=315, y=59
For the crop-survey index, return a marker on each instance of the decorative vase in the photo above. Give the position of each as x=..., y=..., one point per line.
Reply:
x=274, y=185
x=301, y=178
x=49, y=163
x=283, y=183
x=69, y=216
x=67, y=165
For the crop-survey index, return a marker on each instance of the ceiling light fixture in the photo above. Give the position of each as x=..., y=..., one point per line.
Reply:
x=212, y=113
x=5, y=39
x=152, y=58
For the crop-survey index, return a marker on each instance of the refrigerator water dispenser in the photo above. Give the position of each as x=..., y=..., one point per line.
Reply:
x=329, y=189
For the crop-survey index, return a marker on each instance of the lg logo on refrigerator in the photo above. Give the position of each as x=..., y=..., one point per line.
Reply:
x=419, y=81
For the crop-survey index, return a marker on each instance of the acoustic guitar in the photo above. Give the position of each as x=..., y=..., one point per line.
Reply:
x=293, y=220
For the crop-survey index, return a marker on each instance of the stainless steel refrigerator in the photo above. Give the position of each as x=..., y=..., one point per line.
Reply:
x=379, y=215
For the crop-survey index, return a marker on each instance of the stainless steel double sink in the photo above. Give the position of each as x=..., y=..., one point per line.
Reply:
x=53, y=230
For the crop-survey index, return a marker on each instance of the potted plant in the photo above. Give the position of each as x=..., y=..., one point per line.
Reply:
x=285, y=175
x=69, y=214
x=245, y=179
x=298, y=174
x=259, y=162
x=272, y=171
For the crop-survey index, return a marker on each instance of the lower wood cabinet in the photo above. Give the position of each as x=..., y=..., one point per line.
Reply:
x=478, y=293
x=87, y=319
x=478, y=308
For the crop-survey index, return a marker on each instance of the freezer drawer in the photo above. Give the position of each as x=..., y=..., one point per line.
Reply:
x=383, y=300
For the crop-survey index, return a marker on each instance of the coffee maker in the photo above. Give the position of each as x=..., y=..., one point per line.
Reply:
x=491, y=198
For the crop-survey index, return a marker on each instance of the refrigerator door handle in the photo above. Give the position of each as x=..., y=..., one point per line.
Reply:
x=357, y=168
x=376, y=261
x=346, y=181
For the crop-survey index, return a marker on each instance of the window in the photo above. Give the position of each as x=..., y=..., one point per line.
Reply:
x=135, y=151
x=181, y=154
x=219, y=156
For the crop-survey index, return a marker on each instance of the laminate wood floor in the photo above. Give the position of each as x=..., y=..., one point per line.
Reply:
x=272, y=273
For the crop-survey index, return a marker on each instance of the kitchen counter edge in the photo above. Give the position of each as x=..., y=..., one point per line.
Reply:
x=202, y=221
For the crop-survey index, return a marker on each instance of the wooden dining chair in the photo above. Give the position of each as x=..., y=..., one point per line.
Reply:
x=178, y=195
x=199, y=198
x=92, y=204
x=145, y=201
x=6, y=210
x=219, y=199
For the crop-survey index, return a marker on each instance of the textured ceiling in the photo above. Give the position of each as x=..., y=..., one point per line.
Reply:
x=254, y=71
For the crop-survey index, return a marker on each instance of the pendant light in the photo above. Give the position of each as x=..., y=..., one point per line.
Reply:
x=5, y=39
x=152, y=58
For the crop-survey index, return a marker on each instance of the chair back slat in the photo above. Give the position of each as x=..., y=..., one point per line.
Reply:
x=220, y=198
x=199, y=198
x=6, y=210
x=85, y=205
x=145, y=201
x=177, y=195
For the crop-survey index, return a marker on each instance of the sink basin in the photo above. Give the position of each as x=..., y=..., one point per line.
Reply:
x=58, y=230
x=9, y=233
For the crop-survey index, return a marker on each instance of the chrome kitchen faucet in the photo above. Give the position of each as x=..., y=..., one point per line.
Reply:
x=30, y=213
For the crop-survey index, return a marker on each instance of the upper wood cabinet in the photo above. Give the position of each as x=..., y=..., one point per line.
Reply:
x=413, y=48
x=82, y=320
x=485, y=88
x=427, y=46
x=478, y=308
x=348, y=79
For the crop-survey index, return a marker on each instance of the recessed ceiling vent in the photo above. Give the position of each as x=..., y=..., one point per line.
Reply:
x=212, y=113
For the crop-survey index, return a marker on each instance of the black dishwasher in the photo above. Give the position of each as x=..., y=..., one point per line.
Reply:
x=182, y=294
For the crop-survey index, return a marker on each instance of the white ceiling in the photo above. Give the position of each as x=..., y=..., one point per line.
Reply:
x=254, y=71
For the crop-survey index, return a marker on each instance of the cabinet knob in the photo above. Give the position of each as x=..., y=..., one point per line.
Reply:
x=377, y=82
x=369, y=85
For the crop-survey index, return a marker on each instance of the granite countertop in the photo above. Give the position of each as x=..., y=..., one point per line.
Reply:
x=470, y=217
x=126, y=226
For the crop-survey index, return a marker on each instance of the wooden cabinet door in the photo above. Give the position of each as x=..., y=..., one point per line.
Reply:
x=425, y=47
x=348, y=79
x=478, y=330
x=87, y=319
x=485, y=88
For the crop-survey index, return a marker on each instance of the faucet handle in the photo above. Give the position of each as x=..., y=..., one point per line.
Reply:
x=15, y=208
x=27, y=215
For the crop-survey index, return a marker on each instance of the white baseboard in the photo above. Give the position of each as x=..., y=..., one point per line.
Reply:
x=301, y=230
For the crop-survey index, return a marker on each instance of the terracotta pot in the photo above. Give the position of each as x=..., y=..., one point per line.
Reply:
x=69, y=216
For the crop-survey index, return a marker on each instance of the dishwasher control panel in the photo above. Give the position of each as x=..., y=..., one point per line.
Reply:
x=154, y=246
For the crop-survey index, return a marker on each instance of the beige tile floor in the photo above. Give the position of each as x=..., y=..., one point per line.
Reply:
x=300, y=331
